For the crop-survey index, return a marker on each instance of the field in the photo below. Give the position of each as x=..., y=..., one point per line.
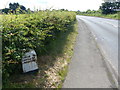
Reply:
x=51, y=34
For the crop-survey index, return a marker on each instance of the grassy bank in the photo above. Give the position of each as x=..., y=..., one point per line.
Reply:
x=55, y=53
x=111, y=16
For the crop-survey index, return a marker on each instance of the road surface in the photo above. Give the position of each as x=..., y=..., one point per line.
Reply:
x=97, y=42
x=106, y=33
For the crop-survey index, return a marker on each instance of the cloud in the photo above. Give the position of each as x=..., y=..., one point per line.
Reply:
x=56, y=4
x=76, y=4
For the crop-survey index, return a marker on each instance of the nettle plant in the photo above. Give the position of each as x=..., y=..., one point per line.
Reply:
x=20, y=33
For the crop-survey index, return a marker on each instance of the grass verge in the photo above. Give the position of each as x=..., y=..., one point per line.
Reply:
x=110, y=16
x=52, y=66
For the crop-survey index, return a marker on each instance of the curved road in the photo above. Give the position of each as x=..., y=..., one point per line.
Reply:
x=96, y=46
x=106, y=35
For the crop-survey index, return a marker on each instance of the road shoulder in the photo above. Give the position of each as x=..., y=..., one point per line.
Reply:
x=87, y=68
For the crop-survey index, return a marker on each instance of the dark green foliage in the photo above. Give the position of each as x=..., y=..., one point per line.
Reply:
x=29, y=11
x=63, y=9
x=22, y=7
x=30, y=31
x=16, y=8
x=110, y=7
x=6, y=10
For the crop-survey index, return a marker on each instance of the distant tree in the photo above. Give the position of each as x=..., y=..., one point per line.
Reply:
x=54, y=10
x=63, y=10
x=22, y=7
x=14, y=6
x=29, y=11
x=78, y=12
x=109, y=7
x=88, y=11
x=6, y=10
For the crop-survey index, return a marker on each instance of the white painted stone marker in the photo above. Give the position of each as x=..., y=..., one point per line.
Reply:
x=29, y=61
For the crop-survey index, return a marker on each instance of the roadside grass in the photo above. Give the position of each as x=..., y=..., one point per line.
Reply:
x=0, y=52
x=63, y=74
x=53, y=65
x=110, y=16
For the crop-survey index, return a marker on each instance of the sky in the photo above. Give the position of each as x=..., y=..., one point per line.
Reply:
x=75, y=5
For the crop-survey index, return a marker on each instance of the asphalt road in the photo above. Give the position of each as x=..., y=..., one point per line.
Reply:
x=106, y=34
x=97, y=40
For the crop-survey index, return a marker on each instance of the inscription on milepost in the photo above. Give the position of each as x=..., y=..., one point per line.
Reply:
x=29, y=61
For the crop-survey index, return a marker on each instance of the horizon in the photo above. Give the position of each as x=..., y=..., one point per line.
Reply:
x=73, y=5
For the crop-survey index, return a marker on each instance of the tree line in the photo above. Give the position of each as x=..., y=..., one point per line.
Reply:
x=110, y=7
x=105, y=8
x=15, y=8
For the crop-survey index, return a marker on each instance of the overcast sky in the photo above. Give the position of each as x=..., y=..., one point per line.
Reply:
x=81, y=5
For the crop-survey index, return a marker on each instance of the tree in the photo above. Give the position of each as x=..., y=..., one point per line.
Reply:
x=63, y=10
x=14, y=6
x=88, y=11
x=29, y=11
x=109, y=7
x=5, y=10
x=22, y=7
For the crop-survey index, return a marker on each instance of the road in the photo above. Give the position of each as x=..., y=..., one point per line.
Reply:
x=96, y=43
x=106, y=33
